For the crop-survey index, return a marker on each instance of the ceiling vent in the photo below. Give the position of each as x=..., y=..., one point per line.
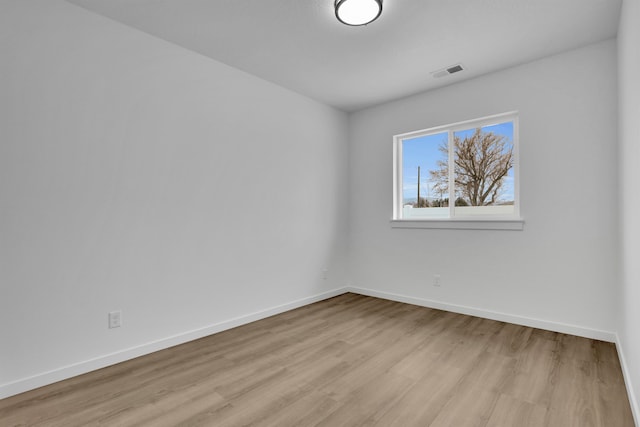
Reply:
x=447, y=71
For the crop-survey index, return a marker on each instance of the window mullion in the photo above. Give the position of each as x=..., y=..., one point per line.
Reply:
x=452, y=188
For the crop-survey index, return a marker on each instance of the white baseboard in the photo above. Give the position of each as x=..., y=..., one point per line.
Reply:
x=503, y=317
x=65, y=372
x=635, y=409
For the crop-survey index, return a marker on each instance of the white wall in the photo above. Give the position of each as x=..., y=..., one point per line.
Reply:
x=561, y=270
x=629, y=106
x=138, y=176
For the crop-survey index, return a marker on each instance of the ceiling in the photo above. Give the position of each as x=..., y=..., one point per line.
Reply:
x=299, y=44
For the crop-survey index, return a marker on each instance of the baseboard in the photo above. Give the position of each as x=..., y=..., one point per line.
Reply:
x=635, y=409
x=65, y=372
x=503, y=317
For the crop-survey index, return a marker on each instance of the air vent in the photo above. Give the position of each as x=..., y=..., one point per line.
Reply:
x=447, y=71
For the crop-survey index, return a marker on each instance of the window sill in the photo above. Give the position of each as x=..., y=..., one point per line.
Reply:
x=460, y=224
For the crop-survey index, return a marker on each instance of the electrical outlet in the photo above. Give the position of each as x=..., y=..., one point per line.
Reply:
x=115, y=319
x=325, y=272
x=437, y=280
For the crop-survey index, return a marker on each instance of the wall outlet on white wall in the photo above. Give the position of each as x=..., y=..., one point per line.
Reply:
x=437, y=280
x=325, y=272
x=115, y=319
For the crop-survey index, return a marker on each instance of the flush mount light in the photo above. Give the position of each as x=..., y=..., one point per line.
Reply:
x=358, y=12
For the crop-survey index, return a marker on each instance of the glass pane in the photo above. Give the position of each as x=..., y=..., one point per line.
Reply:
x=425, y=188
x=484, y=178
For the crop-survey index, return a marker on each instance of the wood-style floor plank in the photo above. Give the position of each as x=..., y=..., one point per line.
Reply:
x=348, y=361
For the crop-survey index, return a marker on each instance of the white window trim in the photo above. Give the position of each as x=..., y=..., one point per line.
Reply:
x=512, y=222
x=460, y=224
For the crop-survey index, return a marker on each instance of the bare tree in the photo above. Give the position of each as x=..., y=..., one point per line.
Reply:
x=482, y=161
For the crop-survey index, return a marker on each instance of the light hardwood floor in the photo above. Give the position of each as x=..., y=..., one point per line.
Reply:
x=349, y=361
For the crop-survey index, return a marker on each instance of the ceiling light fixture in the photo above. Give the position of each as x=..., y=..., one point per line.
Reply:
x=358, y=12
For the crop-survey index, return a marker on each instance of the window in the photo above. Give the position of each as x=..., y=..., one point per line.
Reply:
x=479, y=191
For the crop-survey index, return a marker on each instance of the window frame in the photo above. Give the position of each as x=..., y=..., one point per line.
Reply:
x=488, y=221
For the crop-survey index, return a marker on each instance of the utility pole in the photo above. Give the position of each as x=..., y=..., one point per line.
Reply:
x=418, y=202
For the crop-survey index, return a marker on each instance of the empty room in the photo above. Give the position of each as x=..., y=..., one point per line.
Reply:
x=242, y=212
